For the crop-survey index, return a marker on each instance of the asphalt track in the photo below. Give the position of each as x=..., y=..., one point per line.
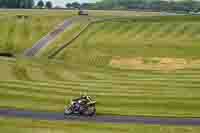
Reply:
x=46, y=40
x=101, y=118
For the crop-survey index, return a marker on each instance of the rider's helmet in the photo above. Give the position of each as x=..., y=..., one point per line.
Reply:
x=84, y=96
x=88, y=98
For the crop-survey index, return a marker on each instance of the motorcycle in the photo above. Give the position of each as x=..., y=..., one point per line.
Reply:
x=83, y=106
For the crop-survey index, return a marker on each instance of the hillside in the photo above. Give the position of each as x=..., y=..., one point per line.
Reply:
x=20, y=30
x=148, y=66
x=175, y=37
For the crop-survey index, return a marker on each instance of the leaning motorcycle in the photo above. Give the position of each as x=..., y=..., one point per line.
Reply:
x=81, y=107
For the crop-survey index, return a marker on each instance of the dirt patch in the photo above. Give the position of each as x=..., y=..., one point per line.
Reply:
x=155, y=63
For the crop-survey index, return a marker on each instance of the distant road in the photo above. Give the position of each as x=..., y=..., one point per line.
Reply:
x=101, y=118
x=46, y=40
x=171, y=14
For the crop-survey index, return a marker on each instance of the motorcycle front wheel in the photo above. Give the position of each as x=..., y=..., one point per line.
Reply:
x=68, y=111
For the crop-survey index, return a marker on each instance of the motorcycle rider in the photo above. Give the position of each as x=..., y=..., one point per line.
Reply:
x=83, y=105
x=83, y=99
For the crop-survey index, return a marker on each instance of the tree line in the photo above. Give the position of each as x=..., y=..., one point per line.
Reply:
x=42, y=4
x=16, y=3
x=27, y=4
x=153, y=5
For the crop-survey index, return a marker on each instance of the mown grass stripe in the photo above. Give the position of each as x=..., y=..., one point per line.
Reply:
x=76, y=90
x=181, y=83
x=117, y=84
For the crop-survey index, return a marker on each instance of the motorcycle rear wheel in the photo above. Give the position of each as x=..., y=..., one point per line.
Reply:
x=91, y=111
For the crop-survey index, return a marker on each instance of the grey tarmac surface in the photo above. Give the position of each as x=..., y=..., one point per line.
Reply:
x=46, y=40
x=101, y=118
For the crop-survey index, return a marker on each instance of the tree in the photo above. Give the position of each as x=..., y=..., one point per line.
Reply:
x=156, y=5
x=85, y=5
x=25, y=3
x=49, y=4
x=68, y=5
x=12, y=4
x=30, y=4
x=40, y=4
x=76, y=5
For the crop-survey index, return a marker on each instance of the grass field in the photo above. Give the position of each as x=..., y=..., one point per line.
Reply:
x=31, y=126
x=145, y=66
x=133, y=64
x=138, y=92
x=18, y=33
x=153, y=61
x=153, y=37
x=70, y=33
x=107, y=13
